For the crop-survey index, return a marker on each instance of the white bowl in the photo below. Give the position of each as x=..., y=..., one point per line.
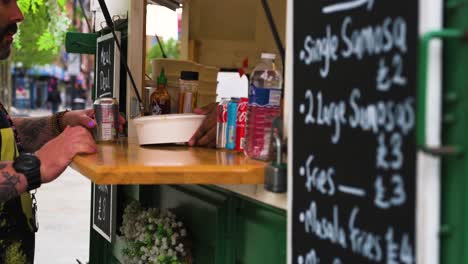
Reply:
x=163, y=129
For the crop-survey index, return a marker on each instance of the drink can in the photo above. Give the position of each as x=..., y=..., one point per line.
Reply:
x=147, y=101
x=240, y=123
x=231, y=124
x=221, y=124
x=106, y=111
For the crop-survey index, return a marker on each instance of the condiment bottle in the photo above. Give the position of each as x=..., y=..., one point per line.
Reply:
x=160, y=98
x=188, y=91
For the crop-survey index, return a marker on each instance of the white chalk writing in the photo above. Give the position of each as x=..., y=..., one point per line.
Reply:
x=387, y=36
x=105, y=57
x=364, y=243
x=323, y=228
x=396, y=197
x=347, y=5
x=376, y=117
x=317, y=178
x=104, y=80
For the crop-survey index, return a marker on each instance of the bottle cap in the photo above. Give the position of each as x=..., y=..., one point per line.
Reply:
x=189, y=75
x=269, y=56
x=162, y=77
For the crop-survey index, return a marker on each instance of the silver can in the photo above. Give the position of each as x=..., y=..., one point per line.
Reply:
x=147, y=100
x=106, y=111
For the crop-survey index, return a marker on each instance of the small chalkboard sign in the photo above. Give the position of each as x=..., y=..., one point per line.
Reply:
x=107, y=67
x=353, y=134
x=104, y=202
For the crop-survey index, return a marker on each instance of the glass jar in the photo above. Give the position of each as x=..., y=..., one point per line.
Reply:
x=188, y=91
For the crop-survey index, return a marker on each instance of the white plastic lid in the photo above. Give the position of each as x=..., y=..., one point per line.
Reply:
x=268, y=56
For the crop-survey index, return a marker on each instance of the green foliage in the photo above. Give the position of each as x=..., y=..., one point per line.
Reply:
x=171, y=48
x=42, y=32
x=46, y=42
x=24, y=5
x=62, y=2
x=14, y=254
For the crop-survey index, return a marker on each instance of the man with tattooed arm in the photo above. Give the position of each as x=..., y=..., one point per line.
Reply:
x=33, y=151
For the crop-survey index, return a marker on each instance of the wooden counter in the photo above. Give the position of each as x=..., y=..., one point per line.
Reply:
x=128, y=163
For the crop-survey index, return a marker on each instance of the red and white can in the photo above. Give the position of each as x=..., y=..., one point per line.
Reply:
x=221, y=125
x=106, y=111
x=242, y=107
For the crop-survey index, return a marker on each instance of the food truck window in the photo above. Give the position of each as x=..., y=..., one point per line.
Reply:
x=164, y=20
x=163, y=27
x=230, y=84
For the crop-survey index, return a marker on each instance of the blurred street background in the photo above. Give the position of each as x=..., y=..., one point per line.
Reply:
x=64, y=215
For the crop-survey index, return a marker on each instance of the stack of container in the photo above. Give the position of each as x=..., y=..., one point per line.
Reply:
x=207, y=80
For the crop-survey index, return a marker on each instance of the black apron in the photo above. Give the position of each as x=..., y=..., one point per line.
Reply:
x=16, y=215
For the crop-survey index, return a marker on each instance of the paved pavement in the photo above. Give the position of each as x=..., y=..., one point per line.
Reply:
x=64, y=216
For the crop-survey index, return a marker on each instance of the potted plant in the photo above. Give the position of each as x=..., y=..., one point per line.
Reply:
x=153, y=236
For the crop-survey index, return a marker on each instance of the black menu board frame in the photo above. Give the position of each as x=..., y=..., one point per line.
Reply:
x=352, y=141
x=104, y=210
x=107, y=79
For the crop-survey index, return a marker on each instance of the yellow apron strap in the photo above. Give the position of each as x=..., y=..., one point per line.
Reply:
x=8, y=152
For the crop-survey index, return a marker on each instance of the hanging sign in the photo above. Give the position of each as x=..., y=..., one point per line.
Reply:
x=353, y=146
x=107, y=67
x=104, y=199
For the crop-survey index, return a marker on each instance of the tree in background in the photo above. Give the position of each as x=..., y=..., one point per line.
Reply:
x=42, y=33
x=171, y=48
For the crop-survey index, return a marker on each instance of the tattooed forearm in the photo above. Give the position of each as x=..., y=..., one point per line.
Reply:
x=8, y=184
x=33, y=132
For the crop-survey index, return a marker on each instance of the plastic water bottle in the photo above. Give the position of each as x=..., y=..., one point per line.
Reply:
x=264, y=105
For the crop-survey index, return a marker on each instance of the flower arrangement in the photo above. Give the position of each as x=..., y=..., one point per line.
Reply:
x=153, y=236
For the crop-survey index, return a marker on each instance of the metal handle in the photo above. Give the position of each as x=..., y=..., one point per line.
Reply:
x=279, y=147
x=276, y=171
x=422, y=88
x=441, y=151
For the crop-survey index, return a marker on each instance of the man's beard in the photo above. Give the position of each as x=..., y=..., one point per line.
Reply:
x=5, y=47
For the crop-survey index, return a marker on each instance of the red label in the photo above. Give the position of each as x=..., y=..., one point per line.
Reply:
x=242, y=111
x=222, y=113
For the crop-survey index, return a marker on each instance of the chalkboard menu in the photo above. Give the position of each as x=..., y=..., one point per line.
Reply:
x=107, y=67
x=104, y=197
x=353, y=156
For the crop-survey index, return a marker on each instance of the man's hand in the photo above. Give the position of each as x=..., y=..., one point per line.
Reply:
x=57, y=154
x=205, y=136
x=86, y=119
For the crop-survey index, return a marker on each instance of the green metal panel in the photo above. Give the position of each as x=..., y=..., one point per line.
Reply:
x=260, y=234
x=454, y=189
x=83, y=43
x=206, y=213
x=224, y=227
x=101, y=250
